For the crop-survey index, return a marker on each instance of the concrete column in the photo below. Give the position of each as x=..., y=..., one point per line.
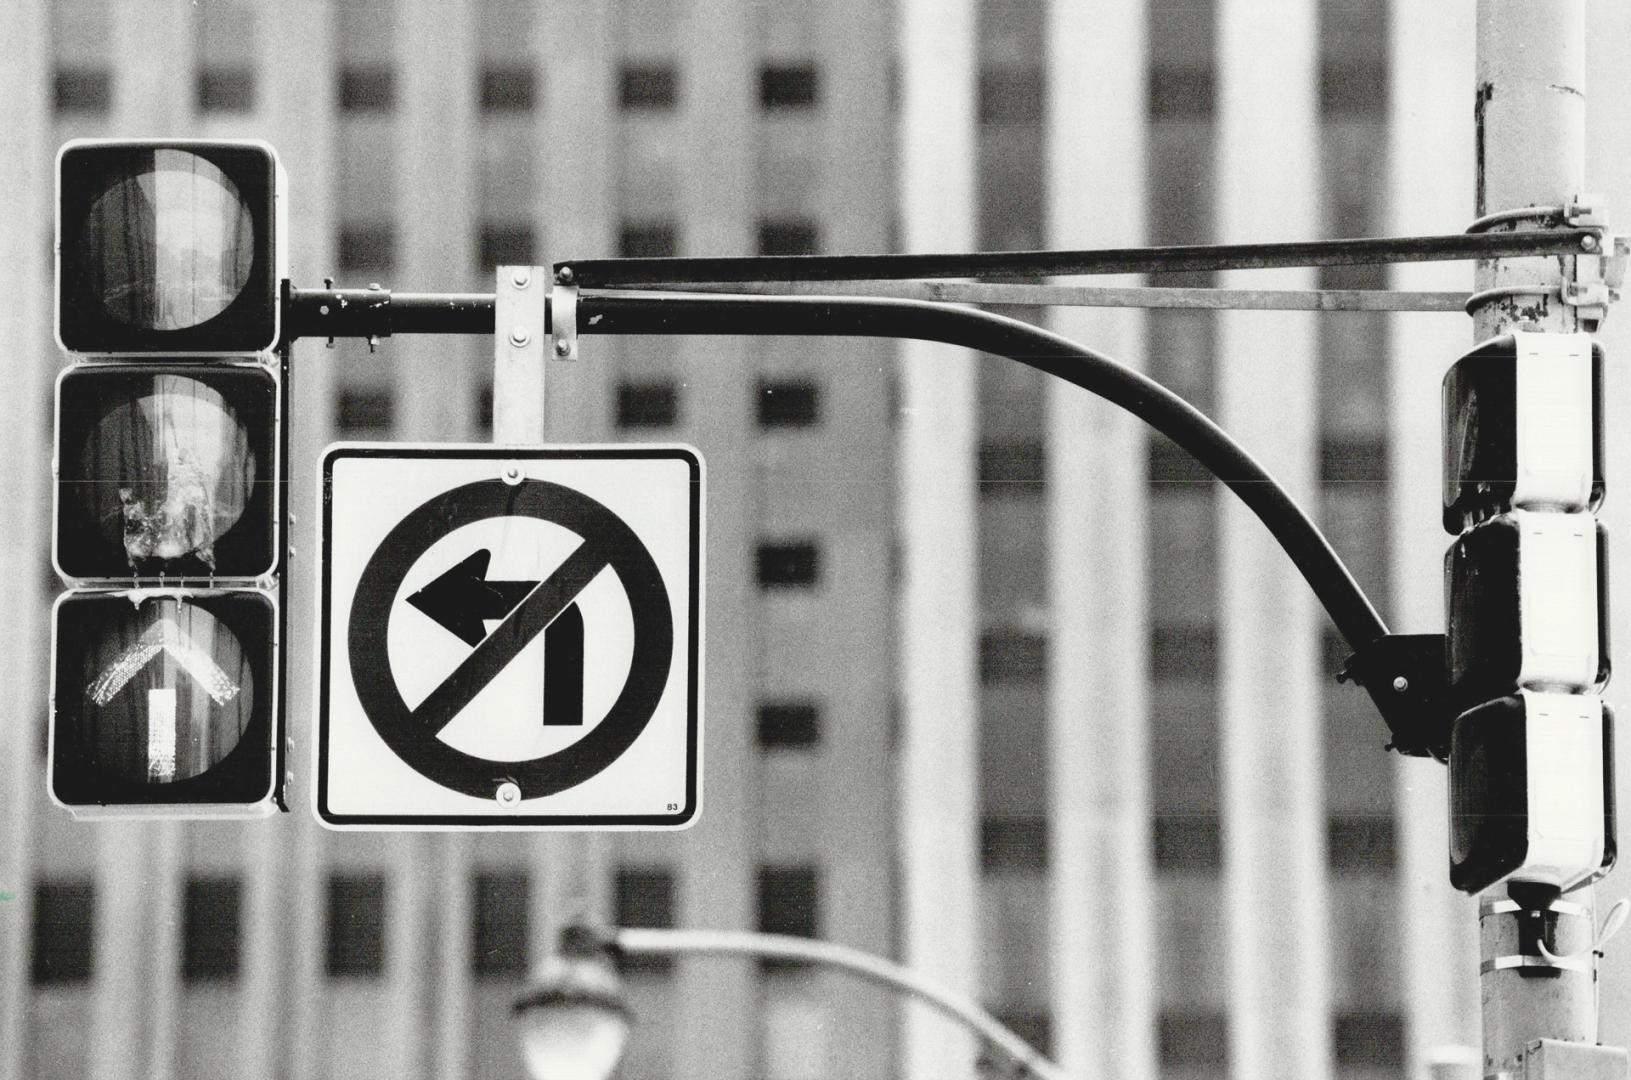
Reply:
x=939, y=614
x=1274, y=881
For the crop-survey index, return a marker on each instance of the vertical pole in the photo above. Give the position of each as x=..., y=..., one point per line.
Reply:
x=1530, y=151
x=939, y=755
x=1275, y=888
x=1104, y=901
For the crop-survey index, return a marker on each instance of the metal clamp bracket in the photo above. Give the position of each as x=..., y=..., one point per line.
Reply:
x=563, y=319
x=1599, y=269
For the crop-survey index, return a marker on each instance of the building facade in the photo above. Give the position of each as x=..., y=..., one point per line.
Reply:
x=998, y=683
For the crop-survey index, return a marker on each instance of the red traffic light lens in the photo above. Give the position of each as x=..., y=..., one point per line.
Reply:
x=170, y=243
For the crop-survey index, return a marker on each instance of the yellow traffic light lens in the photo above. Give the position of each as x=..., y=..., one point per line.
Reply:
x=169, y=693
x=170, y=243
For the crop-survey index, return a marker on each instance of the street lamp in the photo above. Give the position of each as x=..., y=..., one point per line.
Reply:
x=575, y=1018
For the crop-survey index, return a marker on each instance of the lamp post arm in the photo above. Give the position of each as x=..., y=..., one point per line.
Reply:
x=863, y=965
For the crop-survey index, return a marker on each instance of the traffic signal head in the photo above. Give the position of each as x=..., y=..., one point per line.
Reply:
x=171, y=246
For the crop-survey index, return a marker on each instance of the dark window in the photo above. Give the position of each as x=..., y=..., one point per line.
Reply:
x=1188, y=843
x=1360, y=844
x=786, y=236
x=795, y=565
x=648, y=86
x=1369, y=1039
x=1011, y=96
x=789, y=901
x=1170, y=463
x=790, y=403
x=1180, y=95
x=367, y=88
x=789, y=724
x=367, y=249
x=648, y=240
x=364, y=410
x=1184, y=653
x=511, y=88
x=226, y=89
x=505, y=245
x=647, y=405
x=1199, y=1039
x=484, y=407
x=1353, y=461
x=86, y=91
x=789, y=86
x=1351, y=88
x=1036, y=1028
x=1013, y=844
x=644, y=897
x=356, y=925
x=1008, y=656
x=211, y=916
x=64, y=931
x=1012, y=468
x=501, y=903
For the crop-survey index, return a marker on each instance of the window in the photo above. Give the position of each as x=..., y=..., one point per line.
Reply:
x=1197, y=1039
x=788, y=403
x=648, y=240
x=1361, y=845
x=1036, y=1028
x=789, y=724
x=1353, y=461
x=1012, y=469
x=789, y=236
x=64, y=930
x=644, y=897
x=795, y=565
x=1169, y=463
x=789, y=901
x=505, y=245
x=501, y=902
x=356, y=925
x=226, y=89
x=789, y=86
x=508, y=88
x=648, y=86
x=484, y=408
x=1188, y=843
x=364, y=411
x=1184, y=653
x=210, y=928
x=647, y=405
x=367, y=248
x=1011, y=96
x=1369, y=1039
x=1010, y=845
x=84, y=91
x=1010, y=656
x=367, y=88
x=1180, y=95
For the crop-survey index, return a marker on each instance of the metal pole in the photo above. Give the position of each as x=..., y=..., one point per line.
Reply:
x=1530, y=151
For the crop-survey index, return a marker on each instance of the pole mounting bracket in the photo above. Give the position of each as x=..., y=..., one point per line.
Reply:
x=1405, y=676
x=563, y=319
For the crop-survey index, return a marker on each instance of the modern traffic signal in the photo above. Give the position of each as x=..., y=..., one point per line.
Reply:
x=1526, y=645
x=170, y=464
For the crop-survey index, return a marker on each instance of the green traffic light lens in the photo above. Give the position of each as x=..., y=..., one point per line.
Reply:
x=171, y=241
x=169, y=693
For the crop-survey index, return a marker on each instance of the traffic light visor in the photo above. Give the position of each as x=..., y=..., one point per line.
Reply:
x=167, y=246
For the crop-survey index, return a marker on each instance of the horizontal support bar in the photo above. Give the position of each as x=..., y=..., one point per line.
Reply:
x=980, y=292
x=379, y=313
x=1364, y=251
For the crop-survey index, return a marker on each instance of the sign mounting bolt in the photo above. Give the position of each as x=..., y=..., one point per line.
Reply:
x=521, y=278
x=508, y=794
x=512, y=473
x=519, y=336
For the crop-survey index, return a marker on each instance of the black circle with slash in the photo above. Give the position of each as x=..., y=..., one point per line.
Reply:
x=608, y=542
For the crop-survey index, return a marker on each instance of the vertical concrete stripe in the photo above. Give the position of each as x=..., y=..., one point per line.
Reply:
x=1429, y=191
x=938, y=636
x=716, y=1012
x=452, y=928
x=1608, y=148
x=1274, y=890
x=25, y=175
x=1103, y=904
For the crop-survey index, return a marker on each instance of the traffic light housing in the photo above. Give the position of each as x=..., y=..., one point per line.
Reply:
x=170, y=493
x=1526, y=641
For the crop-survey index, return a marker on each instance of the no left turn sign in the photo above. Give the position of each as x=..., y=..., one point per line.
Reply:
x=509, y=637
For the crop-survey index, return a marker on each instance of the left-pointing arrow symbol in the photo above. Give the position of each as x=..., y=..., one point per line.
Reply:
x=461, y=599
x=166, y=637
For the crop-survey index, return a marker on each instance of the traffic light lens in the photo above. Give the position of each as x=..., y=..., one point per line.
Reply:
x=168, y=693
x=171, y=241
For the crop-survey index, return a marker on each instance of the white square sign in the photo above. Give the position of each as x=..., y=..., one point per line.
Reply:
x=509, y=637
